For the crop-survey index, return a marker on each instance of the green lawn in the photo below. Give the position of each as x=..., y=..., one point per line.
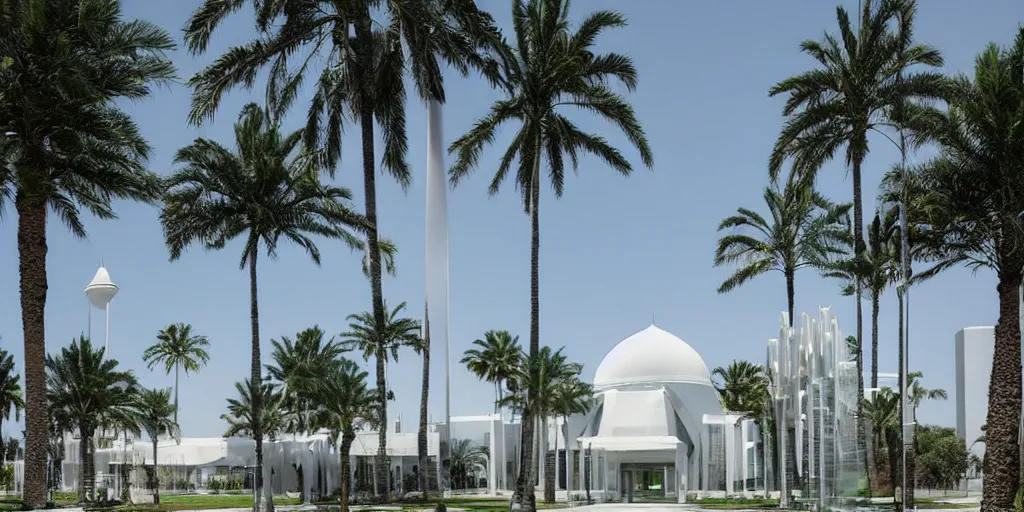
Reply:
x=736, y=503
x=215, y=501
x=931, y=505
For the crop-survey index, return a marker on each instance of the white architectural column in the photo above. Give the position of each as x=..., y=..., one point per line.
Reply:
x=746, y=472
x=568, y=468
x=681, y=474
x=540, y=442
x=492, y=464
x=729, y=429
x=583, y=467
x=705, y=455
x=806, y=339
x=554, y=422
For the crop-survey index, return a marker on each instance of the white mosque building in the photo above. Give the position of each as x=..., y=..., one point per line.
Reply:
x=657, y=425
x=656, y=430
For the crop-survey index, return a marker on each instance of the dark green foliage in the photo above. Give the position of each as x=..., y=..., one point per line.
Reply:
x=803, y=229
x=969, y=202
x=66, y=146
x=86, y=391
x=942, y=459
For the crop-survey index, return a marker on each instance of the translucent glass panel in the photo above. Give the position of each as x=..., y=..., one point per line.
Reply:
x=814, y=386
x=716, y=457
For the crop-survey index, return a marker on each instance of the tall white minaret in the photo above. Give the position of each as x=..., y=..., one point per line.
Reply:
x=437, y=296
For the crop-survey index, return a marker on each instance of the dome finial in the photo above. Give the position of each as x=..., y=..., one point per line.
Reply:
x=654, y=317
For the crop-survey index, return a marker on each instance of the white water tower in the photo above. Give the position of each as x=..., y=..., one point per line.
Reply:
x=100, y=292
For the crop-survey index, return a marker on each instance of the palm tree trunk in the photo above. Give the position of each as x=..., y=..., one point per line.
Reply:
x=346, y=470
x=790, y=293
x=869, y=459
x=874, y=338
x=32, y=274
x=254, y=388
x=878, y=429
x=177, y=371
x=1004, y=394
x=892, y=446
x=524, y=482
x=421, y=438
x=88, y=472
x=517, y=446
x=859, y=247
x=364, y=39
x=154, y=482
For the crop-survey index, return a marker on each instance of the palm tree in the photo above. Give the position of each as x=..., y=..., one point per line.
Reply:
x=124, y=425
x=68, y=147
x=873, y=271
x=740, y=386
x=263, y=192
x=85, y=391
x=465, y=458
x=10, y=393
x=257, y=412
x=455, y=31
x=382, y=340
x=345, y=406
x=881, y=411
x=242, y=417
x=551, y=369
x=743, y=388
x=551, y=66
x=421, y=434
x=802, y=231
x=863, y=84
x=880, y=270
x=572, y=396
x=899, y=184
x=12, y=449
x=977, y=465
x=156, y=413
x=973, y=195
x=916, y=394
x=496, y=359
x=870, y=271
x=177, y=349
x=297, y=368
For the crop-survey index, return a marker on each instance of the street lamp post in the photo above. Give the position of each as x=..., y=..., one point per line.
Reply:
x=908, y=423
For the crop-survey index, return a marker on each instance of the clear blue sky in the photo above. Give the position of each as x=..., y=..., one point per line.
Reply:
x=614, y=252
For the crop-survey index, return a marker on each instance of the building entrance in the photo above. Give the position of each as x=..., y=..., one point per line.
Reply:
x=646, y=482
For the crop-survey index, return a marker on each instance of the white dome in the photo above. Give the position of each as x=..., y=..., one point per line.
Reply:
x=651, y=355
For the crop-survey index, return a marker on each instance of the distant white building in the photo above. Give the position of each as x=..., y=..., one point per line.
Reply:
x=972, y=353
x=656, y=430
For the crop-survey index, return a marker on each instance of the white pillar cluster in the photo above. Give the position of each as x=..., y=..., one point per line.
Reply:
x=814, y=390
